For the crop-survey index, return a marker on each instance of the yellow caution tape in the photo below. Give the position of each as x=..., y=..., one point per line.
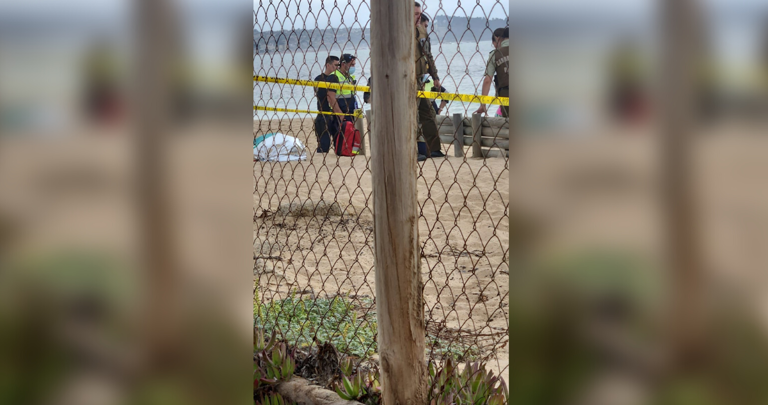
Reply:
x=310, y=83
x=469, y=98
x=357, y=113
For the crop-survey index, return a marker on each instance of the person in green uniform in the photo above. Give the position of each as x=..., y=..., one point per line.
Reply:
x=497, y=69
x=429, y=85
x=425, y=67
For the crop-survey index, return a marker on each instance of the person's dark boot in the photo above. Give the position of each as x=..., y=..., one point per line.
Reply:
x=421, y=158
x=437, y=154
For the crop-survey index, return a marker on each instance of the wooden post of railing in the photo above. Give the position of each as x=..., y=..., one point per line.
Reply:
x=477, y=134
x=458, y=135
x=360, y=126
x=399, y=301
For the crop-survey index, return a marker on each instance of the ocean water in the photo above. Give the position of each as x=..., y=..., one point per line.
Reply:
x=558, y=81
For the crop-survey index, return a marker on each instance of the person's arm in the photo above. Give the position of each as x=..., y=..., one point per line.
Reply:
x=367, y=94
x=443, y=103
x=486, y=89
x=331, y=96
x=490, y=69
x=333, y=103
x=354, y=94
x=431, y=62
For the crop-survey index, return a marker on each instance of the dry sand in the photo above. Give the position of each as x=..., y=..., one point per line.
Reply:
x=600, y=191
x=463, y=229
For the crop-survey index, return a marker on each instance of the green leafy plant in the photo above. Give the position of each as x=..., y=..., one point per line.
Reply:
x=363, y=386
x=474, y=385
x=441, y=347
x=351, y=389
x=259, y=343
x=340, y=321
x=272, y=363
x=347, y=366
x=273, y=399
x=276, y=365
x=336, y=320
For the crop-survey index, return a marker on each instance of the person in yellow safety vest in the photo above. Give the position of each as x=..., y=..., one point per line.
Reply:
x=346, y=75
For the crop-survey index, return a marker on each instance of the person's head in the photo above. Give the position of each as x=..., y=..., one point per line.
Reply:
x=331, y=63
x=348, y=62
x=499, y=35
x=424, y=21
x=417, y=12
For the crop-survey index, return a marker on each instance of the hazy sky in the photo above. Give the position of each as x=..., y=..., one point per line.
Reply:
x=321, y=12
x=284, y=13
x=346, y=8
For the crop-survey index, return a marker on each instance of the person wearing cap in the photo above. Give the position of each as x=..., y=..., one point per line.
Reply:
x=497, y=68
x=346, y=75
x=425, y=67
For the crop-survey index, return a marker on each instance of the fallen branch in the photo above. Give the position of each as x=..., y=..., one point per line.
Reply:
x=302, y=392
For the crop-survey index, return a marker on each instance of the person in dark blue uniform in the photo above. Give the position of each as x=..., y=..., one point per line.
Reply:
x=327, y=126
x=429, y=86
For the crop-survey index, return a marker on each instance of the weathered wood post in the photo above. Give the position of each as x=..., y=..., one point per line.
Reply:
x=399, y=303
x=680, y=55
x=477, y=134
x=155, y=50
x=360, y=126
x=458, y=135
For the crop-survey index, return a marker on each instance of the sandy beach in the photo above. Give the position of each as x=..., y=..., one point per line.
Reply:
x=463, y=229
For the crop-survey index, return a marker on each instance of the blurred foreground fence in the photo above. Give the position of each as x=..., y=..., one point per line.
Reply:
x=314, y=216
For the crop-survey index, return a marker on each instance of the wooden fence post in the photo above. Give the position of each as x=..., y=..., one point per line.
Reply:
x=458, y=135
x=155, y=49
x=399, y=301
x=360, y=126
x=680, y=54
x=477, y=133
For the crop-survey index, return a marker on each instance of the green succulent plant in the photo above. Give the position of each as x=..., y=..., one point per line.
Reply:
x=274, y=399
x=272, y=363
x=362, y=387
x=474, y=385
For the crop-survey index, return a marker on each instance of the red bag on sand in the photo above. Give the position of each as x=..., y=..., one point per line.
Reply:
x=348, y=140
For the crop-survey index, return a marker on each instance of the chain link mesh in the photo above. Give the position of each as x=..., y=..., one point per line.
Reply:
x=313, y=219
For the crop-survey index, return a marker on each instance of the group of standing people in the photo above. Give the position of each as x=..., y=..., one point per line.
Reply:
x=343, y=102
x=338, y=102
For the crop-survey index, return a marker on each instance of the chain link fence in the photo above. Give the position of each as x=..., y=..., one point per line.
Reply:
x=313, y=218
